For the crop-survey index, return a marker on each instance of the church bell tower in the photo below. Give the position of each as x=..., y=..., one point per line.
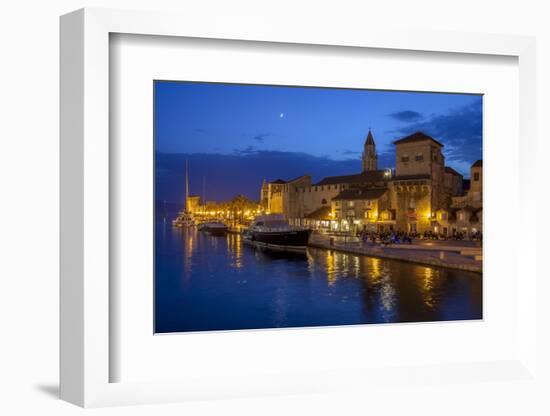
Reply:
x=370, y=158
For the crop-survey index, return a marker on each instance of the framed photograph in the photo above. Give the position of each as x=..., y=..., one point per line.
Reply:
x=271, y=212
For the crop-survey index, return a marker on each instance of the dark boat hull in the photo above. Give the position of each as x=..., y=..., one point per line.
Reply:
x=294, y=238
x=217, y=231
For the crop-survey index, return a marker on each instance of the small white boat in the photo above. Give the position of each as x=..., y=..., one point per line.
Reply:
x=184, y=220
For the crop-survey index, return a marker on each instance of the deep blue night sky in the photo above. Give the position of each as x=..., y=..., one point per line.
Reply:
x=234, y=136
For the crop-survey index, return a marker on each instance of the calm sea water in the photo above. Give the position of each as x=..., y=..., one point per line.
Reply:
x=205, y=283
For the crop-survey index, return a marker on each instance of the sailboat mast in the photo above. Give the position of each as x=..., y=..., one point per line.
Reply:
x=186, y=184
x=204, y=190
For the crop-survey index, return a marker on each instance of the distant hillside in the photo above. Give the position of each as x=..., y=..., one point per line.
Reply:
x=242, y=172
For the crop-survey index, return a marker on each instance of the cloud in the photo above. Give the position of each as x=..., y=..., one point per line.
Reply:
x=246, y=151
x=406, y=116
x=350, y=152
x=460, y=130
x=260, y=137
x=240, y=172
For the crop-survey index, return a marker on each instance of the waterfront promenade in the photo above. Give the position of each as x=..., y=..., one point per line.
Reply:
x=211, y=283
x=459, y=255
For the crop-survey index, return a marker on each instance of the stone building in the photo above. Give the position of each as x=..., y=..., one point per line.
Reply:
x=453, y=181
x=465, y=213
x=193, y=203
x=363, y=208
x=422, y=184
x=413, y=197
x=280, y=196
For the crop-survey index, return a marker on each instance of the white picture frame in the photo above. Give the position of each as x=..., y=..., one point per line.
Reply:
x=85, y=178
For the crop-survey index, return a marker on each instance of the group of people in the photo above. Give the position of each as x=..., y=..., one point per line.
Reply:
x=456, y=235
x=399, y=237
x=385, y=238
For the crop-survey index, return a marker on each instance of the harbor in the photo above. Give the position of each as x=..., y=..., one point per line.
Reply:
x=454, y=254
x=461, y=256
x=209, y=282
x=254, y=269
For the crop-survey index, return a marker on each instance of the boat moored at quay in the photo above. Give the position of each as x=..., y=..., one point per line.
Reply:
x=214, y=228
x=273, y=232
x=183, y=220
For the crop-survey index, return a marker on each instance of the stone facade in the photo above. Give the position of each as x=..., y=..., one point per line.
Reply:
x=193, y=203
x=421, y=194
x=466, y=210
x=363, y=209
x=282, y=197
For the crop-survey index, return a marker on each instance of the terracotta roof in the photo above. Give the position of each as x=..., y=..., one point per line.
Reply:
x=452, y=171
x=281, y=181
x=296, y=179
x=478, y=163
x=365, y=177
x=360, y=193
x=417, y=137
x=319, y=214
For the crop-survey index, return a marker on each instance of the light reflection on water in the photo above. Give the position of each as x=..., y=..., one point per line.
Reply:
x=217, y=283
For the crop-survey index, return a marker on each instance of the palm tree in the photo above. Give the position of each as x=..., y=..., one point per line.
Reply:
x=239, y=205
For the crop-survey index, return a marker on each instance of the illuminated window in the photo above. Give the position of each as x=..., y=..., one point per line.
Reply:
x=351, y=204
